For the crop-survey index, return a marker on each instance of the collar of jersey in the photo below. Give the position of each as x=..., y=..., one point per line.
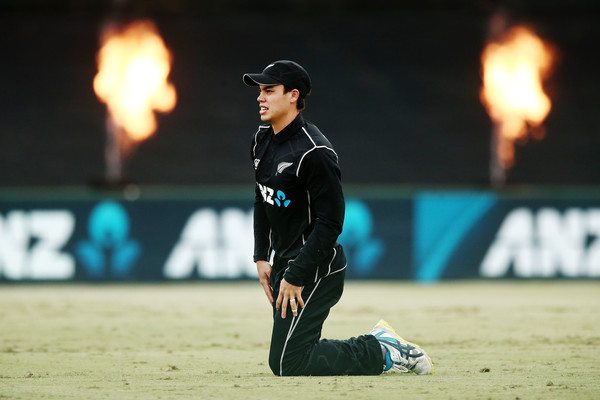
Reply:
x=289, y=130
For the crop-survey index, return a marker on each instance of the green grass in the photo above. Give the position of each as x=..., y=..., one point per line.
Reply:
x=496, y=340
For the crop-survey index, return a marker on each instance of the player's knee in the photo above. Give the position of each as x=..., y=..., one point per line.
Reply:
x=275, y=362
x=281, y=367
x=287, y=367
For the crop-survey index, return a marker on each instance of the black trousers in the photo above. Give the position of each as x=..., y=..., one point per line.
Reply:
x=296, y=344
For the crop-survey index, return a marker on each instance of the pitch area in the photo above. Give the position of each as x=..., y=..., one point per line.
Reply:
x=488, y=340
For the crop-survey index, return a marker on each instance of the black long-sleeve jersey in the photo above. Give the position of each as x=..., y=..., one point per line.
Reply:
x=299, y=205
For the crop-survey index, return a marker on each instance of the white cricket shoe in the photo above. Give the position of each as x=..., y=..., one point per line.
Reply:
x=401, y=356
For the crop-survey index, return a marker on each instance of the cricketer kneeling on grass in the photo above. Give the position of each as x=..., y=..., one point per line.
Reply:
x=298, y=216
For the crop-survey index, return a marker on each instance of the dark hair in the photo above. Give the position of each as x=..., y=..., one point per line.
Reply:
x=301, y=103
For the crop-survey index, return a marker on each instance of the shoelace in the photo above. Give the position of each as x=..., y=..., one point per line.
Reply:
x=404, y=350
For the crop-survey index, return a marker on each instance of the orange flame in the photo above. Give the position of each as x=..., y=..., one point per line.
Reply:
x=513, y=70
x=133, y=66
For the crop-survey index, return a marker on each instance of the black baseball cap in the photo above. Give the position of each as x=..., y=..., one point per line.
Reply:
x=282, y=72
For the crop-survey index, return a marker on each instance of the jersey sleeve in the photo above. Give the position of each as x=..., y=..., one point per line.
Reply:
x=321, y=174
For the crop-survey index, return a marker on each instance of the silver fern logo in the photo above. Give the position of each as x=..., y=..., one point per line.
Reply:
x=282, y=166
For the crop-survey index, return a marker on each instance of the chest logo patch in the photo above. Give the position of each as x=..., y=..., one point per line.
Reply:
x=282, y=166
x=267, y=194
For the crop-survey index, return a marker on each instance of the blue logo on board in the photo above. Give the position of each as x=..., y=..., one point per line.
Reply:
x=109, y=252
x=362, y=249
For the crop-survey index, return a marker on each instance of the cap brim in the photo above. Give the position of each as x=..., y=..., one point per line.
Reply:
x=259, y=79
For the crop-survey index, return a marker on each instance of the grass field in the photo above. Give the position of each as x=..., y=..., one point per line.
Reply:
x=503, y=340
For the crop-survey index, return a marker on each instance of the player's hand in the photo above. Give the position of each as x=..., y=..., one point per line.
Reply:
x=289, y=294
x=264, y=273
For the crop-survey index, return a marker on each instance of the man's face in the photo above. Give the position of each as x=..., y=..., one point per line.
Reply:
x=275, y=105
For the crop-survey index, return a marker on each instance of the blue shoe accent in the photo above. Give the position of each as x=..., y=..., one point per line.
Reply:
x=388, y=358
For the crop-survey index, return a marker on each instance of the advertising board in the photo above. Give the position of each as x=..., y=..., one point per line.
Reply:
x=426, y=236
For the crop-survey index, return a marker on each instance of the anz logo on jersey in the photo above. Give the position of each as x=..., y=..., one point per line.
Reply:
x=279, y=200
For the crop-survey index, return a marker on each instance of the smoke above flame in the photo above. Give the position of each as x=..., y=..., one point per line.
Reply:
x=513, y=72
x=133, y=67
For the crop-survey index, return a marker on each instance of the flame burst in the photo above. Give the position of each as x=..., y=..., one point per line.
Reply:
x=513, y=70
x=133, y=66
